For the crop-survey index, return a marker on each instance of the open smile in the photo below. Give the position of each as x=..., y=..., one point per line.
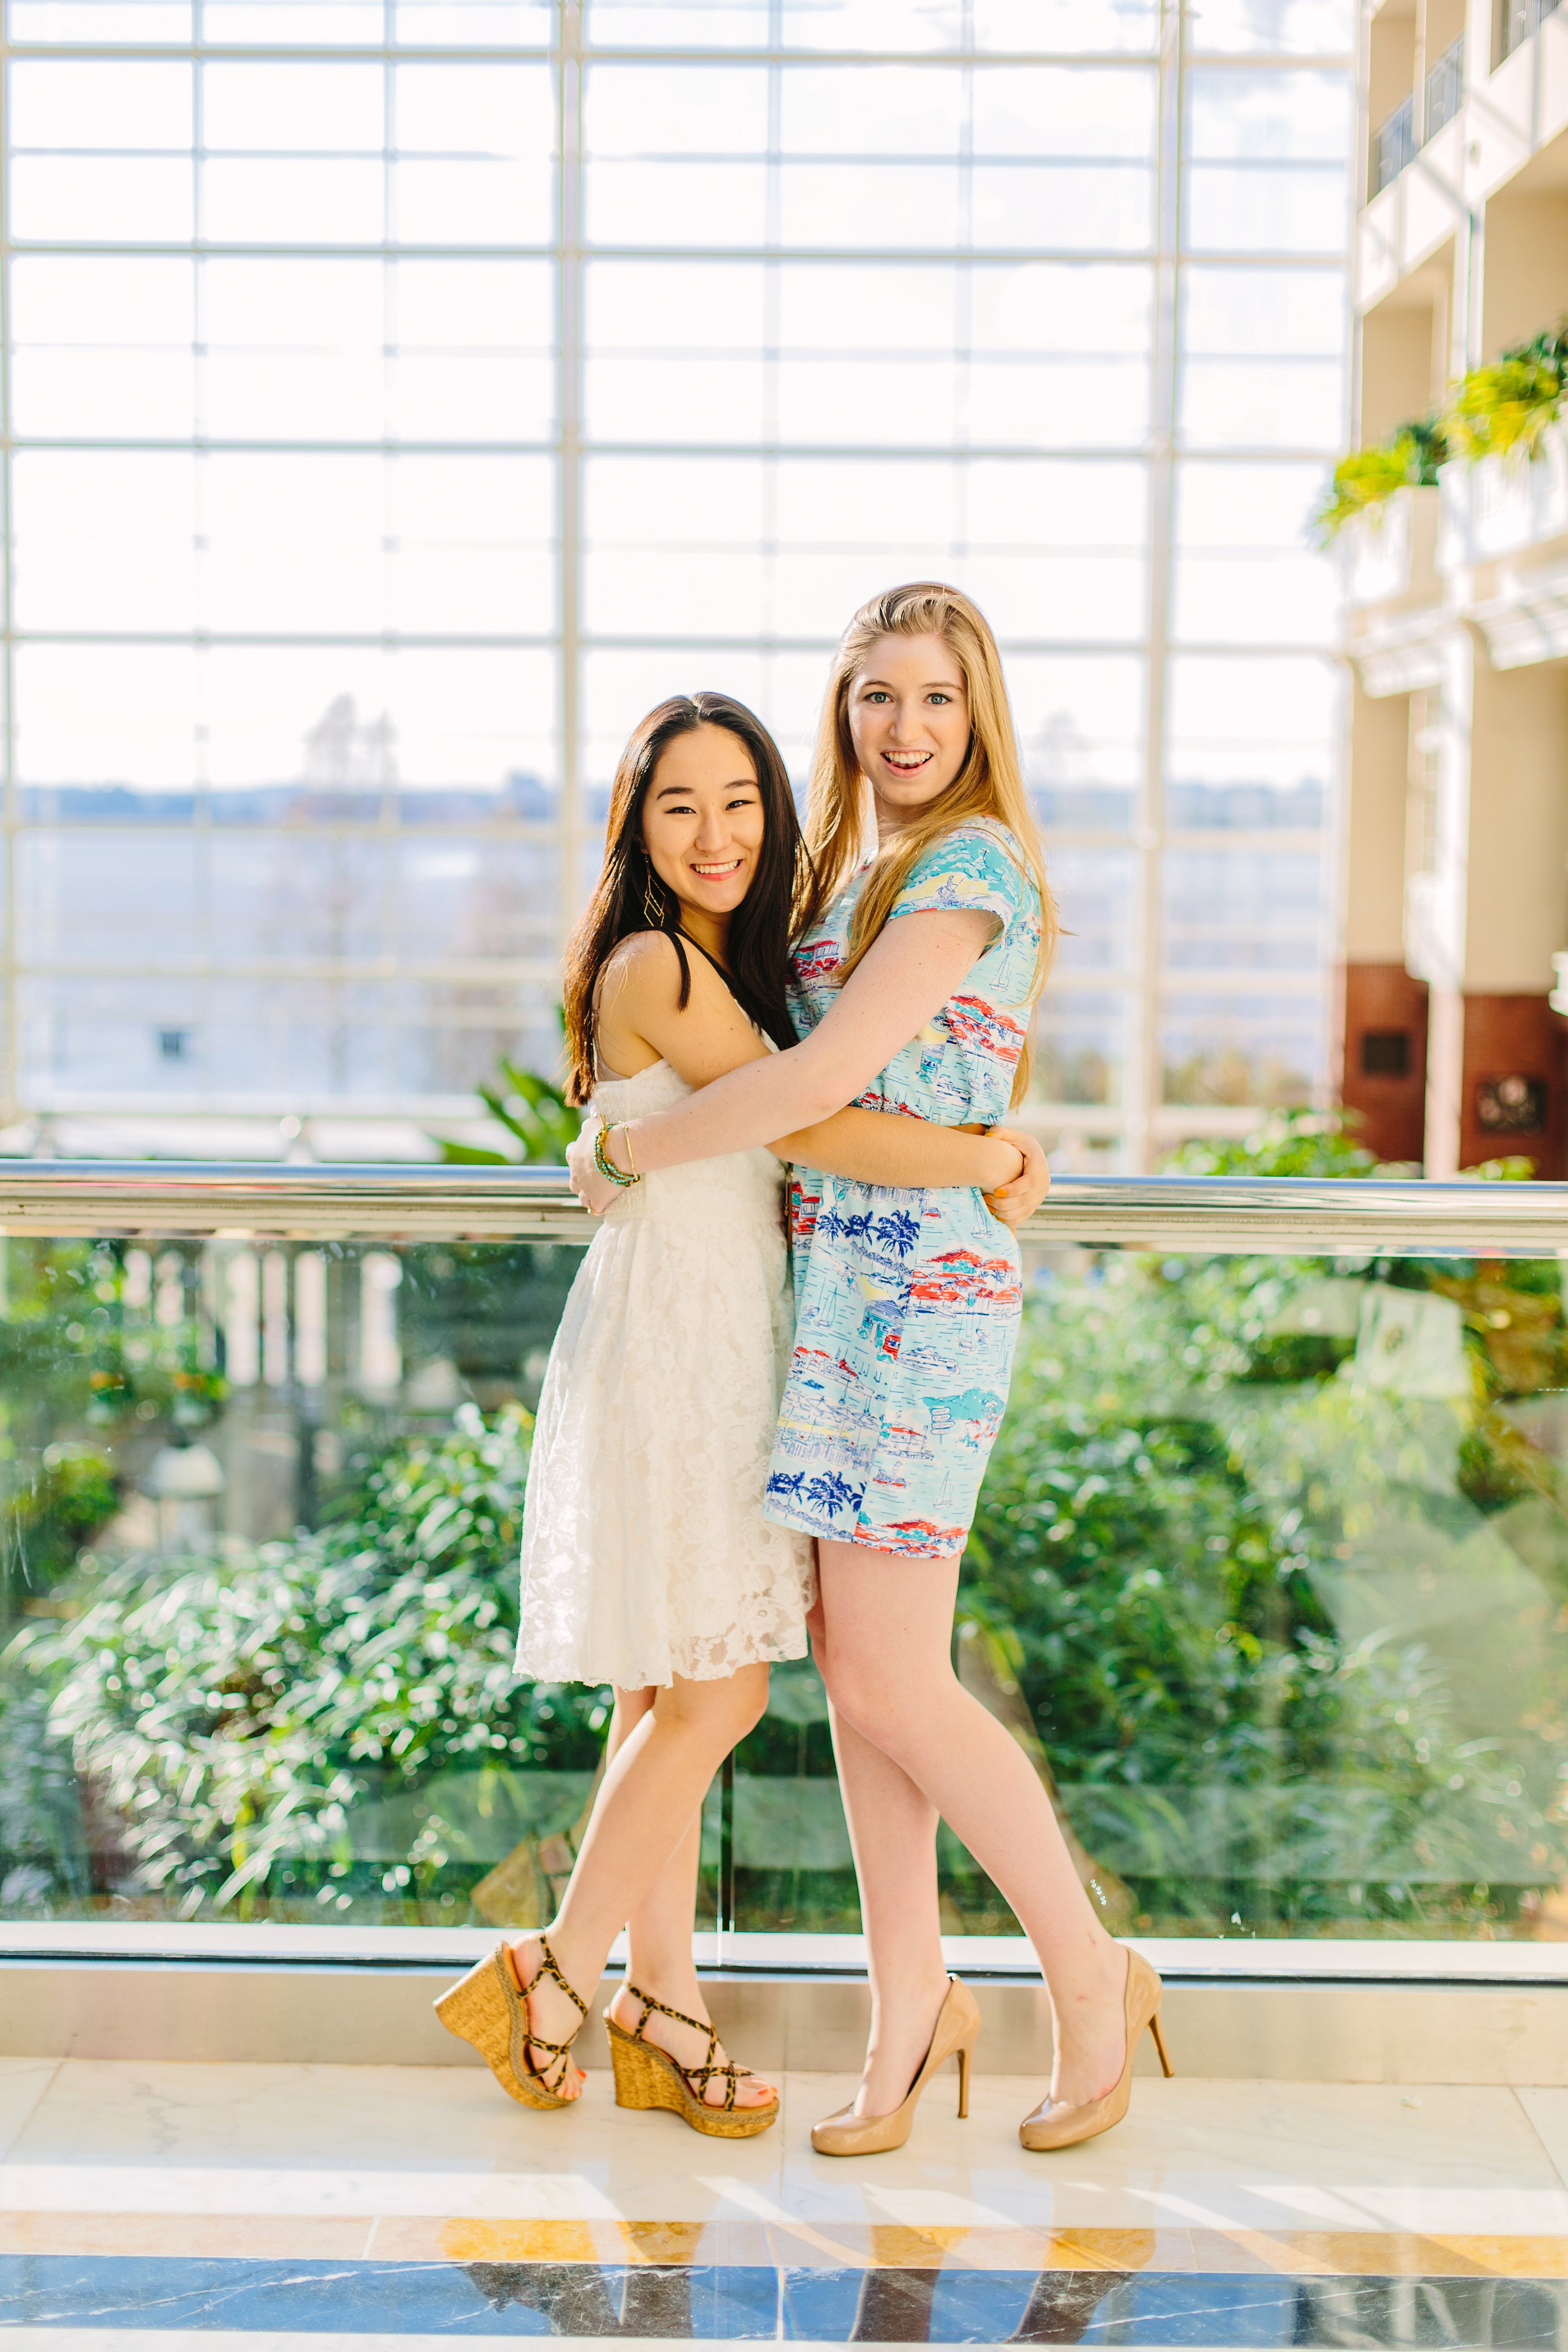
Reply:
x=717, y=873
x=906, y=763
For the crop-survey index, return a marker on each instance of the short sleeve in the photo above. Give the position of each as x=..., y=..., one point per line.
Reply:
x=968, y=869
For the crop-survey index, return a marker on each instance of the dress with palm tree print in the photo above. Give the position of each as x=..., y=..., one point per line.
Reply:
x=907, y=1303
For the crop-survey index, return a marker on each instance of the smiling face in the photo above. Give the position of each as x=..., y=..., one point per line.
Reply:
x=702, y=827
x=909, y=721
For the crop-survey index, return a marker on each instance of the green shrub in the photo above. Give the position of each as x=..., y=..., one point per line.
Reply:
x=232, y=1713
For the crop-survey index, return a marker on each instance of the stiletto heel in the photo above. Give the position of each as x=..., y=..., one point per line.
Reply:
x=648, y=2076
x=1055, y=2123
x=957, y=2030
x=489, y=2008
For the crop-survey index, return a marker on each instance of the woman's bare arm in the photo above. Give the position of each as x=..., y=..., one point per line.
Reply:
x=884, y=1147
x=640, y=1018
x=903, y=981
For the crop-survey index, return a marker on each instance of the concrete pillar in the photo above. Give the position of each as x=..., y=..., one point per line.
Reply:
x=1383, y=1025
x=1489, y=908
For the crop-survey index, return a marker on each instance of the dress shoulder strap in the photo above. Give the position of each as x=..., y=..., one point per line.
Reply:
x=760, y=1026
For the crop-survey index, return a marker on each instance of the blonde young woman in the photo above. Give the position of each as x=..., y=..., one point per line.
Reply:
x=913, y=979
x=646, y=1562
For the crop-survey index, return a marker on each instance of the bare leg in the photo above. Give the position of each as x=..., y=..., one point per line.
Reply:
x=658, y=1941
x=886, y=1658
x=666, y=1745
x=892, y=1830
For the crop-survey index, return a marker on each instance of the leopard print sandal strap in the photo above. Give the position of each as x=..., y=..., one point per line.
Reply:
x=528, y=2041
x=697, y=2077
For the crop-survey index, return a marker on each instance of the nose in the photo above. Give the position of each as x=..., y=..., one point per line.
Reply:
x=712, y=832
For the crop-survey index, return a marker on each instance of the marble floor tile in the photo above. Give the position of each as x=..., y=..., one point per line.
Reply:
x=258, y=2236
x=205, y=2339
x=1548, y=2113
x=1205, y=2155
x=360, y=2140
x=23, y=2082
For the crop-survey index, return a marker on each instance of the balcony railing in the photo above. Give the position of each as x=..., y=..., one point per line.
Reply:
x=1444, y=90
x=1519, y=19
x=1392, y=146
x=1268, y=1574
x=1399, y=138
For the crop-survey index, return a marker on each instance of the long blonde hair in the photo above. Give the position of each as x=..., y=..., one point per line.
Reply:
x=989, y=785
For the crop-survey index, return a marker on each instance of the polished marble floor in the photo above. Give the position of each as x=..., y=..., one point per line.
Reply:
x=280, y=2206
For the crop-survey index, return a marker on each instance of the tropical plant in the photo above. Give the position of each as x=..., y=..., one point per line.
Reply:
x=90, y=1389
x=1289, y=1143
x=534, y=1113
x=1507, y=404
x=1492, y=411
x=1362, y=483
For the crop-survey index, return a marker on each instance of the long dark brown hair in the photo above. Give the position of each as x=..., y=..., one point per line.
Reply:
x=630, y=897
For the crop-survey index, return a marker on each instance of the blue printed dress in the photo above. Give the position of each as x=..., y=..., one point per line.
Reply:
x=907, y=1303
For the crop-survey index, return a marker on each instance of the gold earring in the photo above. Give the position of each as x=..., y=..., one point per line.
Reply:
x=653, y=909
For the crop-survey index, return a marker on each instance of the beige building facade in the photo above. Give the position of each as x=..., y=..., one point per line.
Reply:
x=1456, y=841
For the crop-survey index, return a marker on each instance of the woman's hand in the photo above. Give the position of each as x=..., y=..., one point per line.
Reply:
x=1012, y=1203
x=594, y=1191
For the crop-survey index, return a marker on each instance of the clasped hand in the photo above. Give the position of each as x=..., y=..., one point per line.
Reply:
x=595, y=1191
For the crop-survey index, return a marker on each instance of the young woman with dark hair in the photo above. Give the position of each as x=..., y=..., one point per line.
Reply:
x=646, y=1561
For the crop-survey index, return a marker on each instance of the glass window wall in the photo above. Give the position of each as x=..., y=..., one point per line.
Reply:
x=398, y=399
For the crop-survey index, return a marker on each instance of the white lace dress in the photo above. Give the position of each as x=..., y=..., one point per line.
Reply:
x=645, y=1551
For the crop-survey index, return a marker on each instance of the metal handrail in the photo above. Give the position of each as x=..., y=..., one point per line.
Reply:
x=304, y=1201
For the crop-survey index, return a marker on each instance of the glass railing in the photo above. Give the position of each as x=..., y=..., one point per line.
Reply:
x=1393, y=145
x=1518, y=19
x=1443, y=90
x=1270, y=1577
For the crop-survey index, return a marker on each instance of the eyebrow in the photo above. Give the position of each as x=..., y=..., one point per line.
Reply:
x=932, y=685
x=739, y=784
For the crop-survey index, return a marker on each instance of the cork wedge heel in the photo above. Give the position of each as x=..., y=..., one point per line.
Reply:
x=486, y=2009
x=647, y=2077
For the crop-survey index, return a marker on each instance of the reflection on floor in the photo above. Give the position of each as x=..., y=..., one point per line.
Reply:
x=276, y=2206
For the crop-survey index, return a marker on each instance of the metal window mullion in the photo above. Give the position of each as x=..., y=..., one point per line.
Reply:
x=569, y=460
x=1143, y=1077
x=204, y=997
x=10, y=1086
x=1008, y=257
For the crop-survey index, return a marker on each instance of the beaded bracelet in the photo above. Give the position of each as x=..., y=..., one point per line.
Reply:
x=607, y=1166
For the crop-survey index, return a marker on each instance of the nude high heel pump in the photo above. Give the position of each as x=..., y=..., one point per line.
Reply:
x=957, y=2029
x=1057, y=2123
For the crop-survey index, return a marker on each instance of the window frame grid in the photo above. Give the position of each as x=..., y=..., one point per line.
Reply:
x=1141, y=1116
